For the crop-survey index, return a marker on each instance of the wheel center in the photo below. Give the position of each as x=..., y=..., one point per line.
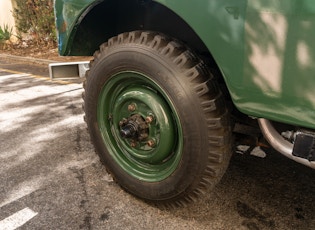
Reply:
x=134, y=127
x=130, y=130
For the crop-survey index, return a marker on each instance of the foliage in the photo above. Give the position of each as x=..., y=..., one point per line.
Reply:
x=36, y=18
x=5, y=33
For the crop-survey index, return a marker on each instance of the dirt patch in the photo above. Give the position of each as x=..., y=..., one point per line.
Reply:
x=28, y=49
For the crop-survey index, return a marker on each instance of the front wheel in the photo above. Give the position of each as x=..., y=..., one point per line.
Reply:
x=156, y=118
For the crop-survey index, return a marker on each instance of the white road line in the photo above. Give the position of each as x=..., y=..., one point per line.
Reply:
x=23, y=189
x=16, y=75
x=20, y=74
x=17, y=219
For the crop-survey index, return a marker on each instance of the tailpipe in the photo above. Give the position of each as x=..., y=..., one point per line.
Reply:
x=282, y=145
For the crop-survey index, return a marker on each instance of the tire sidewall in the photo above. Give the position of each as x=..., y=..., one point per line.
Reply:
x=185, y=101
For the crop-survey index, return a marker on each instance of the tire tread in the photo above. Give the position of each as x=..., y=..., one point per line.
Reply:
x=210, y=99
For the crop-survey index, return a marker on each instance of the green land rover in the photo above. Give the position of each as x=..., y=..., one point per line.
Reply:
x=175, y=83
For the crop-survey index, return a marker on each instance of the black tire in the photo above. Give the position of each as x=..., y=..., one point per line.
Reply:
x=200, y=149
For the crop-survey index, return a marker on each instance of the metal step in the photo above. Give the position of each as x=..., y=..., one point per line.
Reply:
x=68, y=70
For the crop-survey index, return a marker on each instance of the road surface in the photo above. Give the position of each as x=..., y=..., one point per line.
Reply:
x=50, y=177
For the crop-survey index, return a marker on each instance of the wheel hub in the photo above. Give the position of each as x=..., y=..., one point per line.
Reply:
x=134, y=128
x=139, y=126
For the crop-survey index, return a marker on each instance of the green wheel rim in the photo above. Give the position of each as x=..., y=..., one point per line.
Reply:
x=154, y=151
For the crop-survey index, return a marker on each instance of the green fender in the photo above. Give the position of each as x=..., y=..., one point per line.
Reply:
x=265, y=50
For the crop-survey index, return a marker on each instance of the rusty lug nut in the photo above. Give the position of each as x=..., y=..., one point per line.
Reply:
x=132, y=107
x=151, y=143
x=133, y=144
x=149, y=119
x=123, y=122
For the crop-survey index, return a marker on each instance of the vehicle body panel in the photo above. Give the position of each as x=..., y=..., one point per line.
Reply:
x=68, y=16
x=265, y=50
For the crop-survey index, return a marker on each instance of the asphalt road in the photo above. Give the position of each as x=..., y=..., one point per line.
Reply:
x=50, y=177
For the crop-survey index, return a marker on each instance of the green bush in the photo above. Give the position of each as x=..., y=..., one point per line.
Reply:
x=36, y=18
x=5, y=33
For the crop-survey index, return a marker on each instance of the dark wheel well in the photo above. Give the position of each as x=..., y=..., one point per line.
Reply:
x=112, y=17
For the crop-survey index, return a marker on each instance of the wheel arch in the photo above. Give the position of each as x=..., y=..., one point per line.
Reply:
x=219, y=41
x=109, y=18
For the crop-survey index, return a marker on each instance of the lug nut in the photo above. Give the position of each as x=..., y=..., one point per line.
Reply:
x=133, y=144
x=123, y=122
x=149, y=119
x=151, y=143
x=132, y=107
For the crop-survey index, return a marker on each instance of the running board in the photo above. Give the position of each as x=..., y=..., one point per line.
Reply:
x=68, y=70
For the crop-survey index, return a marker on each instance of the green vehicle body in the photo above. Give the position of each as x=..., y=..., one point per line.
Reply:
x=264, y=49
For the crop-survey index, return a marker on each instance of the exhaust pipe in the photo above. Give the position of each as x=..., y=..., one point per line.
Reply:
x=280, y=144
